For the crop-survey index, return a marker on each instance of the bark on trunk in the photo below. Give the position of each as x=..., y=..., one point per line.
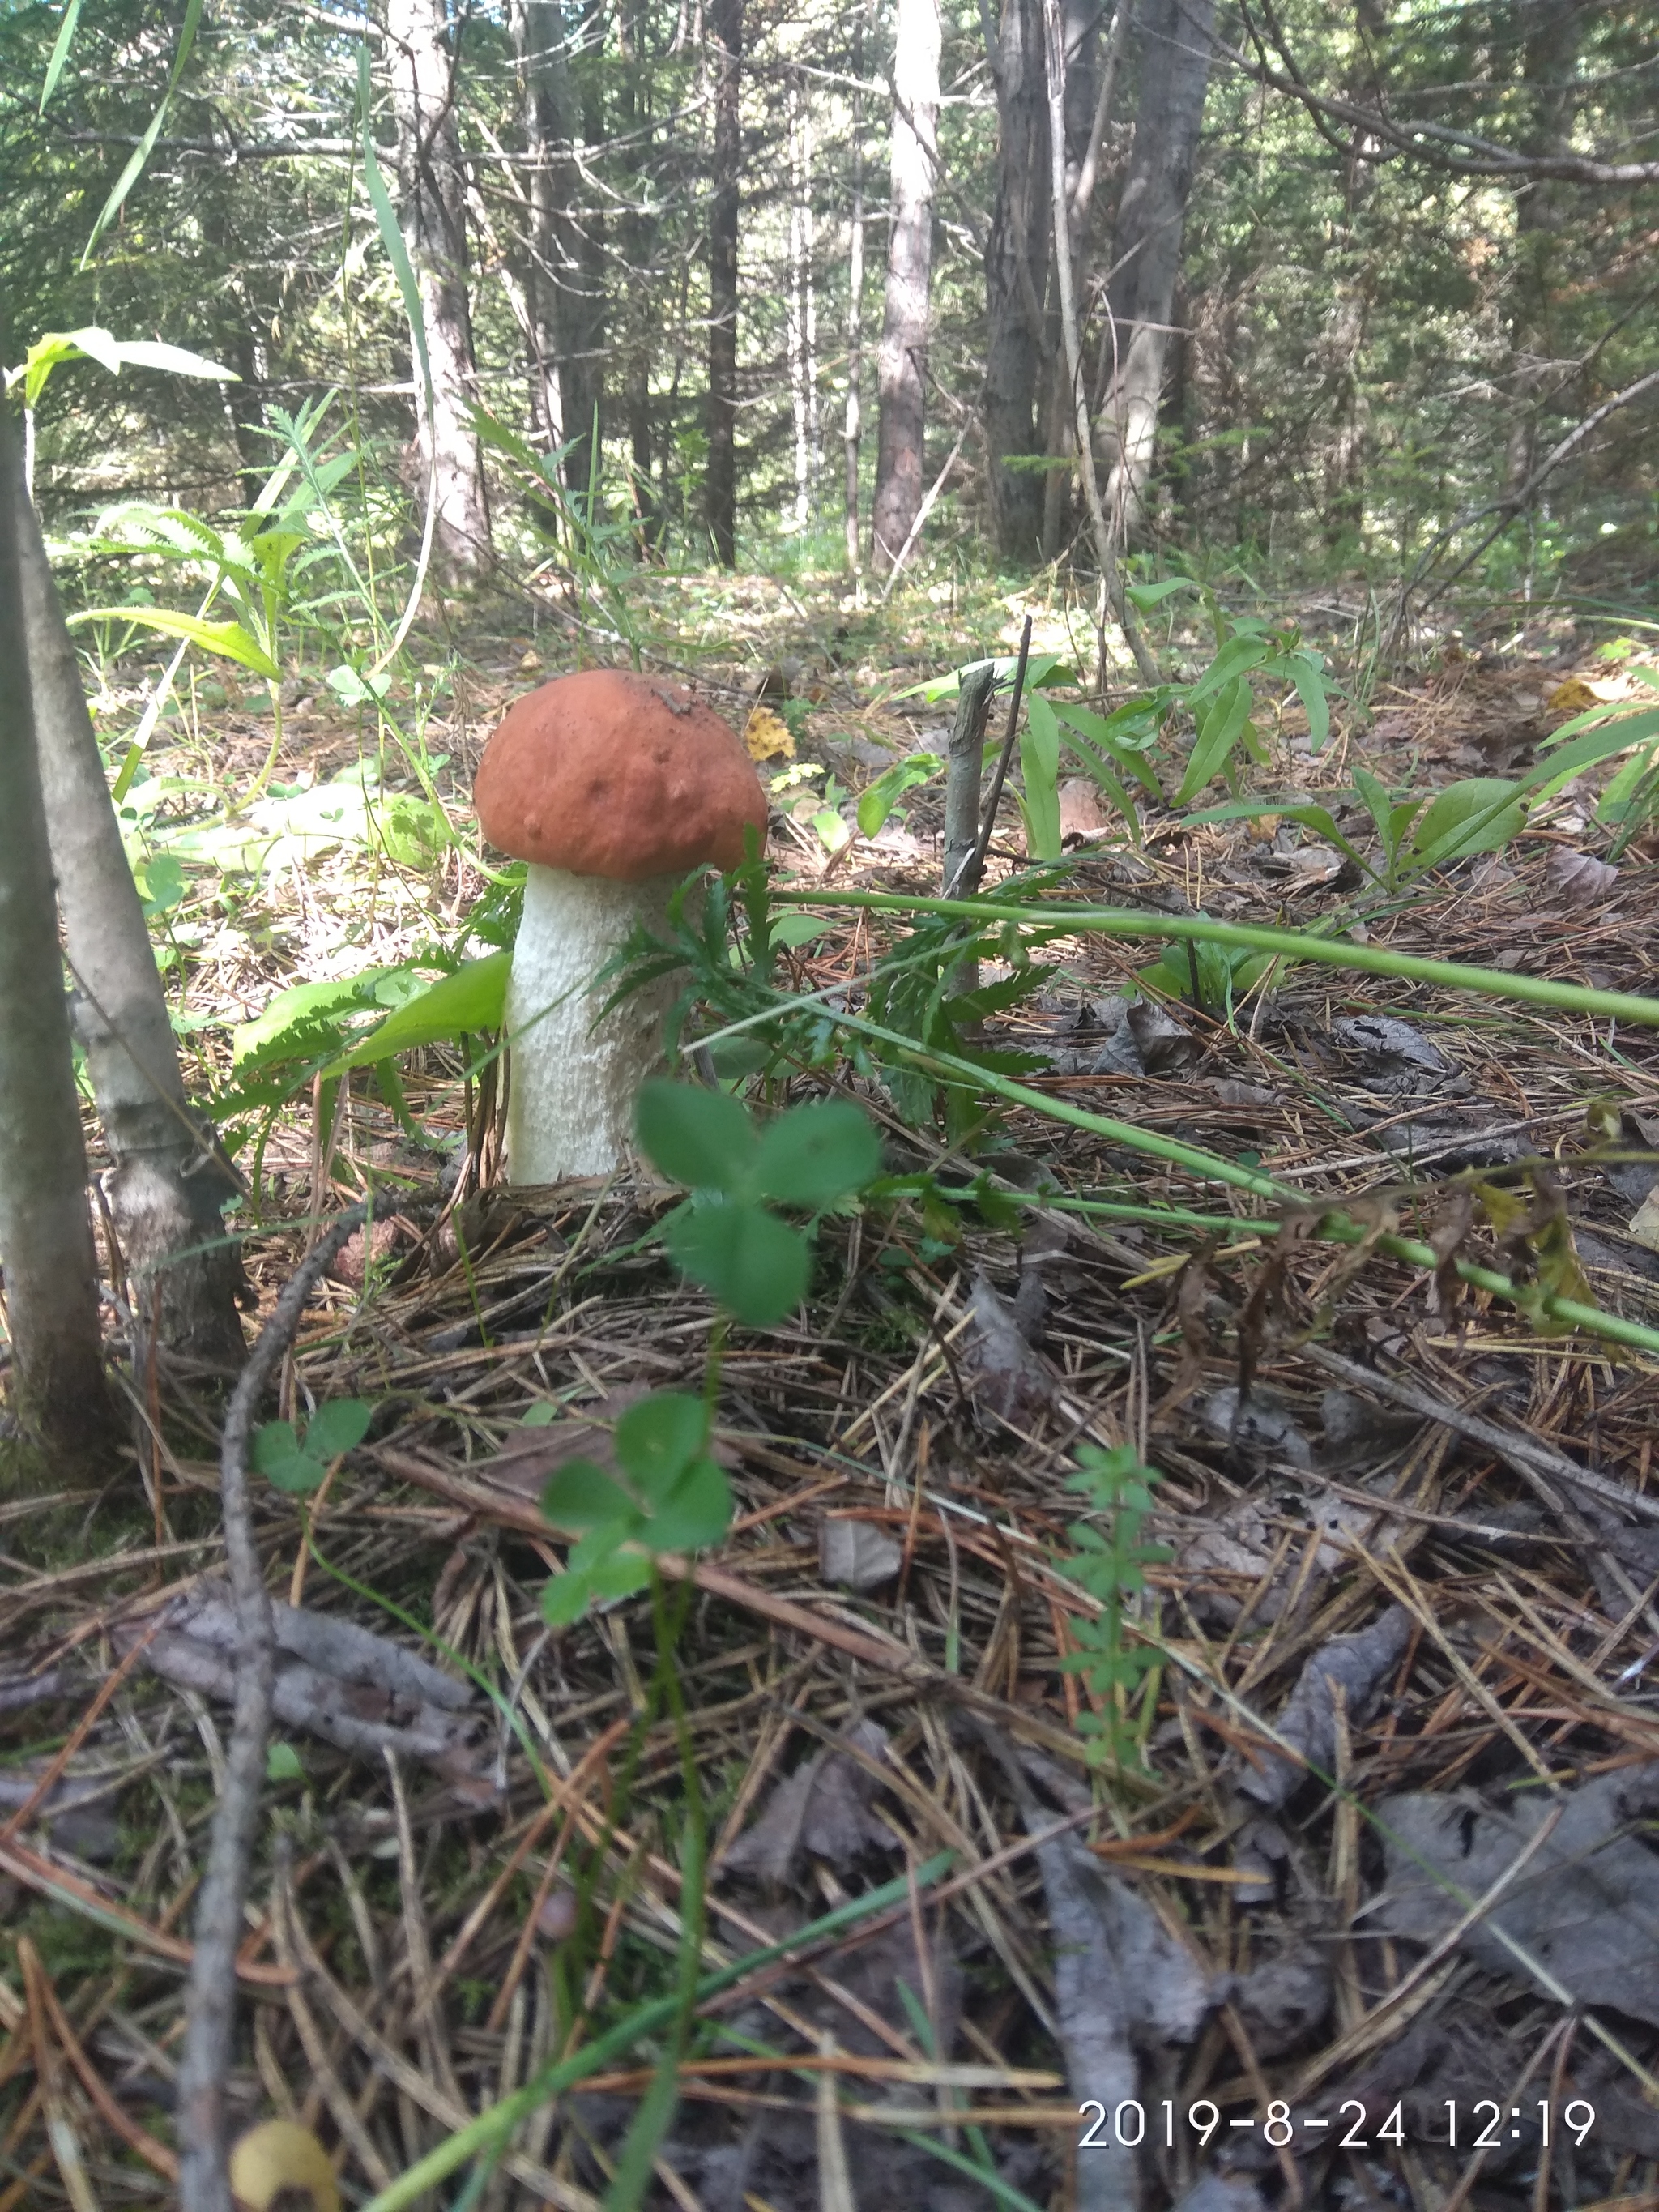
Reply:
x=431, y=176
x=1554, y=31
x=167, y=1186
x=852, y=431
x=1090, y=78
x=1345, y=457
x=901, y=360
x=1016, y=262
x=565, y=367
x=725, y=20
x=1175, y=74
x=58, y=1391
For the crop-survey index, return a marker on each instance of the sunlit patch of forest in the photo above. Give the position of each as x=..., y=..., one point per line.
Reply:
x=828, y=1122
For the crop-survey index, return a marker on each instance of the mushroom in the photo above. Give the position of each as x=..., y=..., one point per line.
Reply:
x=613, y=787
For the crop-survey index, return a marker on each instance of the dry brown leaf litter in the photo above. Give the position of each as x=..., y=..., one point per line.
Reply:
x=1405, y=1601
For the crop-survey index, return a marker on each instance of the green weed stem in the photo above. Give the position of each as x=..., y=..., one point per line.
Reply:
x=481, y=2135
x=1297, y=945
x=1333, y=1223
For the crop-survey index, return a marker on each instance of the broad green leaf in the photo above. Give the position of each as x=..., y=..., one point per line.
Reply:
x=1377, y=804
x=1306, y=671
x=391, y=236
x=581, y=1496
x=756, y=1265
x=1039, y=757
x=274, y=1441
x=1241, y=653
x=1307, y=816
x=283, y=1764
x=1218, y=732
x=277, y=1456
x=303, y=1018
x=704, y=1138
x=814, y=1155
x=141, y=152
x=338, y=1427
x=1479, y=815
x=696, y=1511
x=795, y=929
x=60, y=51
x=620, y=1575
x=473, y=998
x=657, y=1439
x=176, y=361
x=1147, y=596
x=878, y=800
x=53, y=347
x=229, y=640
x=566, y=1599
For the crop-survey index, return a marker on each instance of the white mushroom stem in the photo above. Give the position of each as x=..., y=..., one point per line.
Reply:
x=570, y=1108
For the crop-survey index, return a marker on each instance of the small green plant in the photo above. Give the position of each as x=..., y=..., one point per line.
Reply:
x=1110, y=1564
x=299, y=1467
x=668, y=1495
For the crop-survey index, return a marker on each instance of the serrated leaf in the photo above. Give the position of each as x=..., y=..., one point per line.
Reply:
x=815, y=1154
x=702, y=1139
x=337, y=1427
x=227, y=639
x=659, y=1438
x=756, y=1265
x=581, y=1496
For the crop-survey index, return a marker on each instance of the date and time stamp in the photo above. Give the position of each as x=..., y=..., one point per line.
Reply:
x=1482, y=2125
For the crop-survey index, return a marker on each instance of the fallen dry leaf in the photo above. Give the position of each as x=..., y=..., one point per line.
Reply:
x=1352, y=1665
x=1583, y=1901
x=858, y=1554
x=1578, y=879
x=824, y=1809
x=1644, y=1222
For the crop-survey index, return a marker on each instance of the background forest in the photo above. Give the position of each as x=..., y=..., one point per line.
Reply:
x=1355, y=313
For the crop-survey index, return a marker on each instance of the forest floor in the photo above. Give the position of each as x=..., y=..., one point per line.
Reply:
x=1405, y=1620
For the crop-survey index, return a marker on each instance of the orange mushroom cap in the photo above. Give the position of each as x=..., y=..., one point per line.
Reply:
x=608, y=774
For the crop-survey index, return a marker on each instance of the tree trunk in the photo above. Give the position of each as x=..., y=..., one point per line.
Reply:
x=430, y=173
x=556, y=293
x=802, y=316
x=1344, y=519
x=902, y=360
x=1090, y=78
x=1015, y=262
x=725, y=20
x=58, y=1391
x=1554, y=31
x=167, y=1186
x=1175, y=74
x=853, y=432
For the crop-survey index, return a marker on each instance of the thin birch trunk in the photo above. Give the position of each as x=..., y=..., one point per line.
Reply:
x=724, y=24
x=901, y=361
x=853, y=427
x=1176, y=51
x=58, y=1393
x=430, y=172
x=167, y=1184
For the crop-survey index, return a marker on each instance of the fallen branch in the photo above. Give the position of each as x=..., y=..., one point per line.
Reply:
x=203, y=2178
